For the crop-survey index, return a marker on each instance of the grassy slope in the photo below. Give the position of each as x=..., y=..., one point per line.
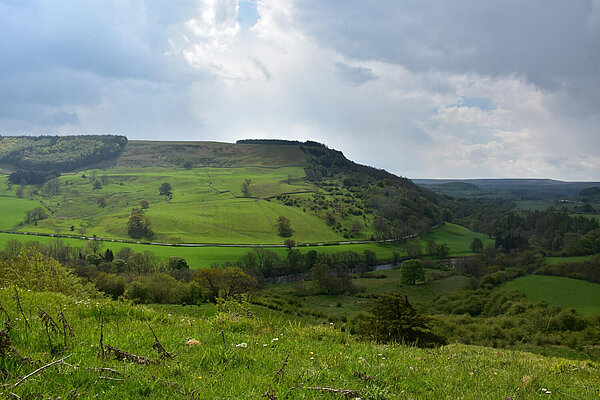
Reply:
x=458, y=238
x=318, y=356
x=197, y=213
x=565, y=292
x=558, y=260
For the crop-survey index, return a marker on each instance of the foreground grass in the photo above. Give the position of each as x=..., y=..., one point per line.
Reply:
x=568, y=293
x=317, y=356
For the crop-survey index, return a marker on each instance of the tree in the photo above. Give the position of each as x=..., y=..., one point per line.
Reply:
x=97, y=185
x=289, y=243
x=139, y=225
x=354, y=228
x=177, y=263
x=166, y=190
x=412, y=271
x=324, y=280
x=101, y=201
x=246, y=188
x=380, y=228
x=144, y=204
x=37, y=214
x=413, y=248
x=284, y=227
x=476, y=245
x=442, y=250
x=108, y=255
x=370, y=258
x=431, y=247
x=391, y=318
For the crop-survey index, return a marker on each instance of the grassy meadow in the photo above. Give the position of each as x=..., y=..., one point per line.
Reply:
x=204, y=207
x=267, y=354
x=568, y=293
x=457, y=237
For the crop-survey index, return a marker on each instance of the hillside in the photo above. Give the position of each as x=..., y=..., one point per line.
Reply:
x=325, y=197
x=231, y=353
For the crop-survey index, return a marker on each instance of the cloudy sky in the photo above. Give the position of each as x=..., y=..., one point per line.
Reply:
x=423, y=88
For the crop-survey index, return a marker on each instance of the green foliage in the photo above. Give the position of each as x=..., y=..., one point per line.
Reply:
x=412, y=271
x=224, y=283
x=59, y=152
x=391, y=318
x=177, y=263
x=165, y=189
x=476, y=245
x=284, y=227
x=139, y=226
x=37, y=214
x=246, y=187
x=32, y=270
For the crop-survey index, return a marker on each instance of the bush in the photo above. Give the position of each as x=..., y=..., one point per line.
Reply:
x=391, y=318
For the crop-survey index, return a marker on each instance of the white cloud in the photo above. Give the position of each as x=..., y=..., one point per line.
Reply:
x=423, y=90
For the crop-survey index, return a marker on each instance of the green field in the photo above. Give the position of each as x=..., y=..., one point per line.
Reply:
x=201, y=210
x=558, y=260
x=568, y=293
x=203, y=257
x=13, y=211
x=458, y=238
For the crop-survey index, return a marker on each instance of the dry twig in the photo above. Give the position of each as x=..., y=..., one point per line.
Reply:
x=347, y=393
x=279, y=374
x=124, y=356
x=18, y=300
x=162, y=352
x=37, y=371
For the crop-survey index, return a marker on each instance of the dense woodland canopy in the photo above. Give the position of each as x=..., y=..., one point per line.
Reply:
x=61, y=153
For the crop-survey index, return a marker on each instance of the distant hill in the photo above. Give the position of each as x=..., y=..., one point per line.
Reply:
x=543, y=189
x=325, y=196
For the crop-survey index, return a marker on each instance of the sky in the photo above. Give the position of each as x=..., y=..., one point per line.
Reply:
x=422, y=88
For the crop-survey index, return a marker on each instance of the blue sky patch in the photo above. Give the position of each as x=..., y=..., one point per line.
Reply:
x=247, y=14
x=482, y=103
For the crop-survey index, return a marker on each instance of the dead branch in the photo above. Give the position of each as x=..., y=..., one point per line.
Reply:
x=7, y=322
x=121, y=355
x=279, y=374
x=162, y=352
x=37, y=371
x=347, y=393
x=100, y=369
x=270, y=394
x=49, y=322
x=18, y=300
x=111, y=379
x=67, y=330
x=362, y=376
x=101, y=352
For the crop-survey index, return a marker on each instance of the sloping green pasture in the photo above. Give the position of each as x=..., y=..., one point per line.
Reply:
x=458, y=238
x=201, y=210
x=568, y=293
